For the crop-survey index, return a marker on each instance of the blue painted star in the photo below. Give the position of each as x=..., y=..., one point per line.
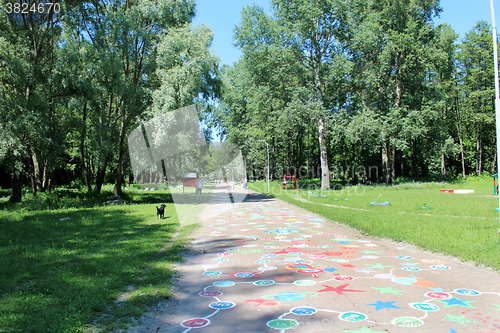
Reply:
x=384, y=305
x=331, y=269
x=410, y=264
x=455, y=301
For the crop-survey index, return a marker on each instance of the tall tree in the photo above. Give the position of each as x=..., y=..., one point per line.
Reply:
x=311, y=28
x=390, y=43
x=476, y=63
x=125, y=36
x=30, y=32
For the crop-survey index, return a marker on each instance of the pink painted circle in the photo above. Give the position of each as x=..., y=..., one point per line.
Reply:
x=343, y=278
x=195, y=323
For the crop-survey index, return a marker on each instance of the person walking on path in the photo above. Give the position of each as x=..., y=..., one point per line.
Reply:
x=199, y=188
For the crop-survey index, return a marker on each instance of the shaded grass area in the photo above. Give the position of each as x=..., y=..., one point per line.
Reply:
x=72, y=269
x=80, y=198
x=462, y=225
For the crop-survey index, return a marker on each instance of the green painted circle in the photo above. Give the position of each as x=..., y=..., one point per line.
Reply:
x=282, y=324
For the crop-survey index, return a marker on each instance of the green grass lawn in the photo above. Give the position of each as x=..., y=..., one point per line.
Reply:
x=462, y=225
x=72, y=263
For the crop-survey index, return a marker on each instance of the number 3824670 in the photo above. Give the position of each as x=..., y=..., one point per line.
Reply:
x=26, y=8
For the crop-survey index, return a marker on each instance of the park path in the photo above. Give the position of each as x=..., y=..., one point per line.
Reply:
x=263, y=265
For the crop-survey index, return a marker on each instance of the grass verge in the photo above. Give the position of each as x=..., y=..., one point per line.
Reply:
x=77, y=269
x=462, y=225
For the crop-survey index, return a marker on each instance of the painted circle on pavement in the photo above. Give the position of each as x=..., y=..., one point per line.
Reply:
x=405, y=280
x=424, y=306
x=303, y=311
x=409, y=322
x=289, y=296
x=282, y=324
x=195, y=323
x=210, y=293
x=223, y=283
x=352, y=316
x=212, y=273
x=437, y=295
x=267, y=268
x=304, y=283
x=219, y=259
x=467, y=292
x=440, y=267
x=222, y=305
x=264, y=282
x=244, y=275
x=411, y=269
x=317, y=257
x=343, y=278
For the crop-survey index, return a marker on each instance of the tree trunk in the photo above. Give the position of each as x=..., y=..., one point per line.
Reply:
x=325, y=174
x=443, y=165
x=35, y=177
x=46, y=176
x=479, y=151
x=388, y=152
x=83, y=135
x=462, y=154
x=118, y=191
x=16, y=194
x=99, y=178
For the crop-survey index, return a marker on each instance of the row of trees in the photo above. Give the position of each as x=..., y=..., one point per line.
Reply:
x=76, y=78
x=331, y=85
x=335, y=85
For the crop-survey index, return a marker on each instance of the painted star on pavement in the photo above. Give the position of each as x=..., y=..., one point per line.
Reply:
x=410, y=264
x=364, y=330
x=364, y=270
x=330, y=269
x=498, y=306
x=340, y=289
x=457, y=319
x=388, y=290
x=378, y=266
x=385, y=305
x=348, y=265
x=455, y=301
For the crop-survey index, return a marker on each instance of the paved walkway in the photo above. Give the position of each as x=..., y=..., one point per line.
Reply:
x=267, y=266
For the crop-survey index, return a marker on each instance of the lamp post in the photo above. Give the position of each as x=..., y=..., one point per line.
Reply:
x=497, y=91
x=267, y=146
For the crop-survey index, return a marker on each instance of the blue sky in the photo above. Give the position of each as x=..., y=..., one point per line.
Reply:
x=223, y=15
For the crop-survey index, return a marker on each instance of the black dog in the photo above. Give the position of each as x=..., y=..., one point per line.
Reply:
x=160, y=212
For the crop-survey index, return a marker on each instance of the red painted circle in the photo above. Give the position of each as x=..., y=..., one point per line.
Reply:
x=343, y=278
x=195, y=323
